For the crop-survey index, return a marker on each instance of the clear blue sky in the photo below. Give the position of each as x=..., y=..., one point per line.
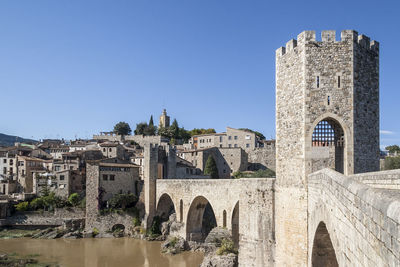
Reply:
x=74, y=68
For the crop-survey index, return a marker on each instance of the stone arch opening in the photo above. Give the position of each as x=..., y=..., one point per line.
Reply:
x=200, y=220
x=323, y=253
x=328, y=146
x=235, y=225
x=165, y=207
x=181, y=210
x=118, y=227
x=224, y=218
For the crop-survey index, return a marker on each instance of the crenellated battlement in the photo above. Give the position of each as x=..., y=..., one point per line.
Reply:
x=329, y=36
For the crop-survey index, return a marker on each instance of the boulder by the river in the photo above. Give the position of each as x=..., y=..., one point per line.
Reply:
x=213, y=260
x=216, y=236
x=173, y=245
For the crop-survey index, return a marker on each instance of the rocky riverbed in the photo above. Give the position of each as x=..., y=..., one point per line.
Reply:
x=218, y=246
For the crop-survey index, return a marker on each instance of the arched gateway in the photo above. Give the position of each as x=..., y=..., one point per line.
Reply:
x=328, y=145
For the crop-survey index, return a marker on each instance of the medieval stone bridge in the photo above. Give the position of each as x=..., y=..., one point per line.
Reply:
x=243, y=206
x=352, y=220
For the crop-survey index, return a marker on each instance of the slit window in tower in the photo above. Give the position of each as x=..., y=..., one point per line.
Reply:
x=338, y=81
x=317, y=81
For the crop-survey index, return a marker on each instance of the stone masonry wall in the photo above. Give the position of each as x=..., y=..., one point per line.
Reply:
x=92, y=194
x=383, y=179
x=366, y=104
x=265, y=156
x=291, y=195
x=36, y=218
x=363, y=222
x=317, y=80
x=256, y=219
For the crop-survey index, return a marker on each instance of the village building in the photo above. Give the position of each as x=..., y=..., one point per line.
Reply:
x=228, y=160
x=112, y=150
x=245, y=139
x=112, y=176
x=27, y=169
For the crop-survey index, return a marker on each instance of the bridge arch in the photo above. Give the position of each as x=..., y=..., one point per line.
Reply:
x=329, y=142
x=165, y=207
x=323, y=253
x=200, y=219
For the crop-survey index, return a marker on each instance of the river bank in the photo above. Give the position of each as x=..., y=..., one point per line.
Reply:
x=93, y=252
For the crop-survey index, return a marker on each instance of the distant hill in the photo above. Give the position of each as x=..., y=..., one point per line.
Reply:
x=9, y=140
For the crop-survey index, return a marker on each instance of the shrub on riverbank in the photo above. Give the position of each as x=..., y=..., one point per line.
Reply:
x=227, y=247
x=22, y=206
x=49, y=201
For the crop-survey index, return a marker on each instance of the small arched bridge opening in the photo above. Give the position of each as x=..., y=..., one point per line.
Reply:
x=200, y=220
x=165, y=207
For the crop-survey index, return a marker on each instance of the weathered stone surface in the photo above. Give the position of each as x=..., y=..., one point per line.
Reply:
x=174, y=245
x=44, y=218
x=315, y=81
x=355, y=216
x=213, y=260
x=216, y=236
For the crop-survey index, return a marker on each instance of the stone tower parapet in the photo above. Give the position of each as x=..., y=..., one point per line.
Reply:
x=331, y=80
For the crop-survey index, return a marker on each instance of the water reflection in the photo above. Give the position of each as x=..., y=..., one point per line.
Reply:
x=105, y=252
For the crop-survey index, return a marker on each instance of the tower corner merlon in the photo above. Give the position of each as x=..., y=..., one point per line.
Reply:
x=305, y=37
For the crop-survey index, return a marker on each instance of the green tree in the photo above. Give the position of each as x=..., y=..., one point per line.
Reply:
x=163, y=131
x=211, y=168
x=150, y=130
x=393, y=148
x=140, y=128
x=45, y=190
x=200, y=131
x=183, y=134
x=122, y=201
x=122, y=128
x=174, y=128
x=392, y=163
x=151, y=123
x=22, y=206
x=74, y=199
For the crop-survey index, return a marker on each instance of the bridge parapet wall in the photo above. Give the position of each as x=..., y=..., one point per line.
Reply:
x=362, y=221
x=382, y=179
x=256, y=209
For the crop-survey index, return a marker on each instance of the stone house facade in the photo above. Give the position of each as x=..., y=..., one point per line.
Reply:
x=244, y=139
x=27, y=169
x=110, y=177
x=112, y=150
x=228, y=160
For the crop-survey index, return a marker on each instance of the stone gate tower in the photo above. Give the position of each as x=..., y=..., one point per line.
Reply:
x=327, y=115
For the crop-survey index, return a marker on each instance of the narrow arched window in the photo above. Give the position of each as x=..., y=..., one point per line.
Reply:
x=224, y=218
x=181, y=210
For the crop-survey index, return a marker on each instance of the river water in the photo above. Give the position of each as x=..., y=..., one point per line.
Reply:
x=100, y=252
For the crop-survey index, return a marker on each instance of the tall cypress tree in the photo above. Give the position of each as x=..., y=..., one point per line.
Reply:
x=151, y=123
x=211, y=168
